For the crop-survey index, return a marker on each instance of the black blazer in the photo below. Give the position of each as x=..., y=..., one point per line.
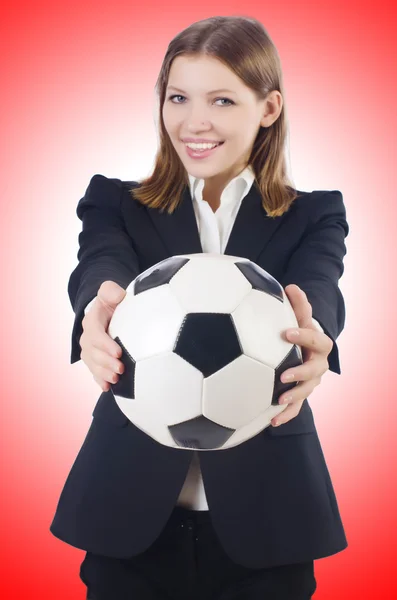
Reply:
x=271, y=498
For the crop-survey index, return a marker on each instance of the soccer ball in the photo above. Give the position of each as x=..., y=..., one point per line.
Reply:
x=202, y=347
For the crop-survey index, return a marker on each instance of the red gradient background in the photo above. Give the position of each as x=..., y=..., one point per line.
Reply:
x=77, y=93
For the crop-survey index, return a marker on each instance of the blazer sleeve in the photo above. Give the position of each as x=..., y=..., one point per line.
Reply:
x=105, y=252
x=317, y=265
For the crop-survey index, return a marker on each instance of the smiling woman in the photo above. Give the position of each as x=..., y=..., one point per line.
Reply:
x=236, y=123
x=249, y=118
x=247, y=522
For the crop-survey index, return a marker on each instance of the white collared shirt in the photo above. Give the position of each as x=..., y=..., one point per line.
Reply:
x=214, y=230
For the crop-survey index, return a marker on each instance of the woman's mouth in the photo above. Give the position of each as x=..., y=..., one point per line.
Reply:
x=196, y=153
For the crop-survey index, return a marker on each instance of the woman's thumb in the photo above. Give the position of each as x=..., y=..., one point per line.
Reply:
x=111, y=293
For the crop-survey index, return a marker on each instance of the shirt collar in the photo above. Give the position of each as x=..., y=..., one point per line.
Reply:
x=247, y=176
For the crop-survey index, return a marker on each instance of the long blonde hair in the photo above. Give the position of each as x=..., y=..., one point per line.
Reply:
x=243, y=45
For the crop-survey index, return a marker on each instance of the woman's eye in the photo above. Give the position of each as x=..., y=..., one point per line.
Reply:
x=175, y=96
x=179, y=96
x=227, y=100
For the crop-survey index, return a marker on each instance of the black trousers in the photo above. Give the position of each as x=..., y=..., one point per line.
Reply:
x=187, y=562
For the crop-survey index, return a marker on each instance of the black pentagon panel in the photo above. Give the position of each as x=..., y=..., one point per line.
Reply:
x=200, y=433
x=291, y=360
x=160, y=275
x=125, y=386
x=261, y=280
x=208, y=341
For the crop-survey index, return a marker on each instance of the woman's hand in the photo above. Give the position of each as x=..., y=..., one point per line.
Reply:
x=98, y=350
x=315, y=347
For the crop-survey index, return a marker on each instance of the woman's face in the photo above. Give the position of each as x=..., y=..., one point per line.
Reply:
x=233, y=117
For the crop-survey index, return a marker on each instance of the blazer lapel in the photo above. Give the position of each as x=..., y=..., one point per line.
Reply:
x=178, y=231
x=252, y=229
x=251, y=232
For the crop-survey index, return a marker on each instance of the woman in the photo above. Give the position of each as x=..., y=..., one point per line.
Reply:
x=246, y=523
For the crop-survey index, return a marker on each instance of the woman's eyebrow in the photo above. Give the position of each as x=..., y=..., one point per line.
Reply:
x=208, y=93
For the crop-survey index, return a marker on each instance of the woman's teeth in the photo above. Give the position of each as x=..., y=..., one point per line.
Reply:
x=202, y=146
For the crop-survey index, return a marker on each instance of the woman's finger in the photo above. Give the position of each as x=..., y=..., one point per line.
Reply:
x=104, y=359
x=96, y=334
x=299, y=395
x=98, y=370
x=300, y=304
x=311, y=338
x=312, y=368
x=104, y=385
x=107, y=375
x=288, y=413
x=299, y=392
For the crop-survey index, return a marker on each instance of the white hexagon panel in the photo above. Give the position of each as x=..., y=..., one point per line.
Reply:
x=218, y=289
x=146, y=331
x=236, y=394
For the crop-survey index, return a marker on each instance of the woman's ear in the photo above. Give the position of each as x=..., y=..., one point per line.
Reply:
x=273, y=105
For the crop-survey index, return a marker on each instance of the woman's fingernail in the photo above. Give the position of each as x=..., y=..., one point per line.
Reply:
x=293, y=333
x=286, y=400
x=287, y=377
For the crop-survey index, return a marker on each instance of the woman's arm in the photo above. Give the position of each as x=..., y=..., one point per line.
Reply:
x=105, y=250
x=317, y=265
